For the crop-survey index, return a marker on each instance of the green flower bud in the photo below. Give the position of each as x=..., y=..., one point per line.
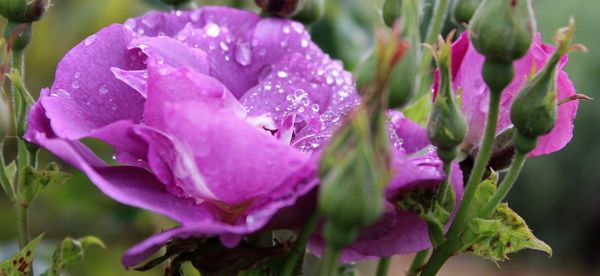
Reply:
x=282, y=8
x=23, y=10
x=365, y=73
x=533, y=112
x=312, y=11
x=502, y=30
x=354, y=170
x=391, y=11
x=446, y=128
x=17, y=35
x=403, y=76
x=463, y=10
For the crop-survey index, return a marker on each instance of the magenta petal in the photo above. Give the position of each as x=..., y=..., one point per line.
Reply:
x=172, y=52
x=128, y=185
x=412, y=136
x=136, y=79
x=174, y=85
x=217, y=156
x=85, y=94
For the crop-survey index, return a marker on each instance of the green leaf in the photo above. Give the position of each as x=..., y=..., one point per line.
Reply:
x=70, y=251
x=485, y=191
x=419, y=110
x=33, y=181
x=20, y=264
x=504, y=233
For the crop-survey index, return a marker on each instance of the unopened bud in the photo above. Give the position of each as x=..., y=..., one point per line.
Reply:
x=181, y=4
x=463, y=10
x=446, y=128
x=391, y=11
x=23, y=10
x=282, y=8
x=533, y=112
x=502, y=30
x=354, y=171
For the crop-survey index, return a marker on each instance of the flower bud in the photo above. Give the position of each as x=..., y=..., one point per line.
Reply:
x=463, y=10
x=312, y=11
x=282, y=8
x=502, y=30
x=446, y=128
x=23, y=10
x=17, y=35
x=391, y=11
x=354, y=170
x=533, y=112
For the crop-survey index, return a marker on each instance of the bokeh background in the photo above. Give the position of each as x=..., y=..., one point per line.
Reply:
x=557, y=194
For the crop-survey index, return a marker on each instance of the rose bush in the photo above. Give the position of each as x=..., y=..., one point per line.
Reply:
x=217, y=117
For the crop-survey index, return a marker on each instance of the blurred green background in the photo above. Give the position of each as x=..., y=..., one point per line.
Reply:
x=557, y=194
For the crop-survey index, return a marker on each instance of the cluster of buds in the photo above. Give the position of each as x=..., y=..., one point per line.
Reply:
x=533, y=111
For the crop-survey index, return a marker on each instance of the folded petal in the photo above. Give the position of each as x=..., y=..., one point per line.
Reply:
x=85, y=94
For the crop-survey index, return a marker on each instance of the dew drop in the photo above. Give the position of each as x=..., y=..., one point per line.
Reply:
x=282, y=74
x=75, y=84
x=90, y=40
x=315, y=108
x=77, y=75
x=103, y=89
x=243, y=54
x=286, y=29
x=223, y=46
x=212, y=30
x=304, y=43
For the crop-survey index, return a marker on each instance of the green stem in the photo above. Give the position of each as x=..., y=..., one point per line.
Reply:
x=300, y=247
x=444, y=187
x=435, y=27
x=329, y=262
x=22, y=224
x=442, y=253
x=417, y=262
x=504, y=188
x=383, y=266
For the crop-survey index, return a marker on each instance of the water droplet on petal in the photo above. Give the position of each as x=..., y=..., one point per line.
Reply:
x=75, y=84
x=103, y=89
x=282, y=74
x=223, y=46
x=212, y=30
x=243, y=54
x=315, y=108
x=286, y=29
x=77, y=75
x=90, y=40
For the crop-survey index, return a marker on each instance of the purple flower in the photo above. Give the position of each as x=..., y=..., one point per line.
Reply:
x=467, y=79
x=216, y=117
